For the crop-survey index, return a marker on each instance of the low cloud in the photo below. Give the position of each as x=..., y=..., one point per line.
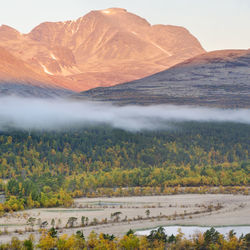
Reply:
x=46, y=114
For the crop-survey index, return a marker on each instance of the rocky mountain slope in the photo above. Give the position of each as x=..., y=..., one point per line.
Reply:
x=219, y=78
x=102, y=48
x=18, y=78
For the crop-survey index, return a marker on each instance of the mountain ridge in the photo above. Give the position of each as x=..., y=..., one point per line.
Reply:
x=101, y=48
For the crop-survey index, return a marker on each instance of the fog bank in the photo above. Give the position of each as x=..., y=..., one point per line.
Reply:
x=48, y=114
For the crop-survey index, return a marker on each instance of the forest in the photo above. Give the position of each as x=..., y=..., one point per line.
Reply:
x=157, y=239
x=48, y=169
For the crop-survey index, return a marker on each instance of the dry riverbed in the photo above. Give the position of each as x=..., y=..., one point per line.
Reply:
x=187, y=209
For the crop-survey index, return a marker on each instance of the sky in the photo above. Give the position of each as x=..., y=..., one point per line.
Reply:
x=218, y=24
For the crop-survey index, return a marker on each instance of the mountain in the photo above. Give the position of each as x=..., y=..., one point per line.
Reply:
x=17, y=77
x=102, y=48
x=219, y=78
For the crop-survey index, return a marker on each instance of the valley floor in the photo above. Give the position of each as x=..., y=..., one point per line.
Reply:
x=186, y=209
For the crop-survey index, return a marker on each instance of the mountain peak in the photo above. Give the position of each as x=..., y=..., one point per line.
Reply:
x=7, y=32
x=113, y=11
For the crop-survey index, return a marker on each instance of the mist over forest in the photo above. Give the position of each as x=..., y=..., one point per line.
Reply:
x=56, y=114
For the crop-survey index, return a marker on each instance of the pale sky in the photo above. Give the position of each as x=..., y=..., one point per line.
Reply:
x=218, y=24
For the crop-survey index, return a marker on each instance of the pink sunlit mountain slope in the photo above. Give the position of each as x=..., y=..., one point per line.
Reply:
x=102, y=48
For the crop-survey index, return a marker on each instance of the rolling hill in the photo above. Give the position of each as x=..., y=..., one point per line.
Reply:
x=219, y=78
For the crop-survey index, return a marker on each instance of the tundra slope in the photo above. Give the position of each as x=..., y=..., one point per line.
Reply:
x=215, y=79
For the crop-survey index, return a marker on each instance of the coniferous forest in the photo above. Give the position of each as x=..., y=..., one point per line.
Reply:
x=46, y=169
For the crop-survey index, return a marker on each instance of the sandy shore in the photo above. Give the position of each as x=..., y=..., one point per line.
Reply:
x=235, y=210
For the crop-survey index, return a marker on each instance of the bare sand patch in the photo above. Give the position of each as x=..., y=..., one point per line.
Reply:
x=234, y=210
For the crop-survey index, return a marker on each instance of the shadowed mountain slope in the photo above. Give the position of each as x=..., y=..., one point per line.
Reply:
x=219, y=78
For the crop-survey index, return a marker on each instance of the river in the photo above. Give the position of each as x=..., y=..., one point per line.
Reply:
x=190, y=230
